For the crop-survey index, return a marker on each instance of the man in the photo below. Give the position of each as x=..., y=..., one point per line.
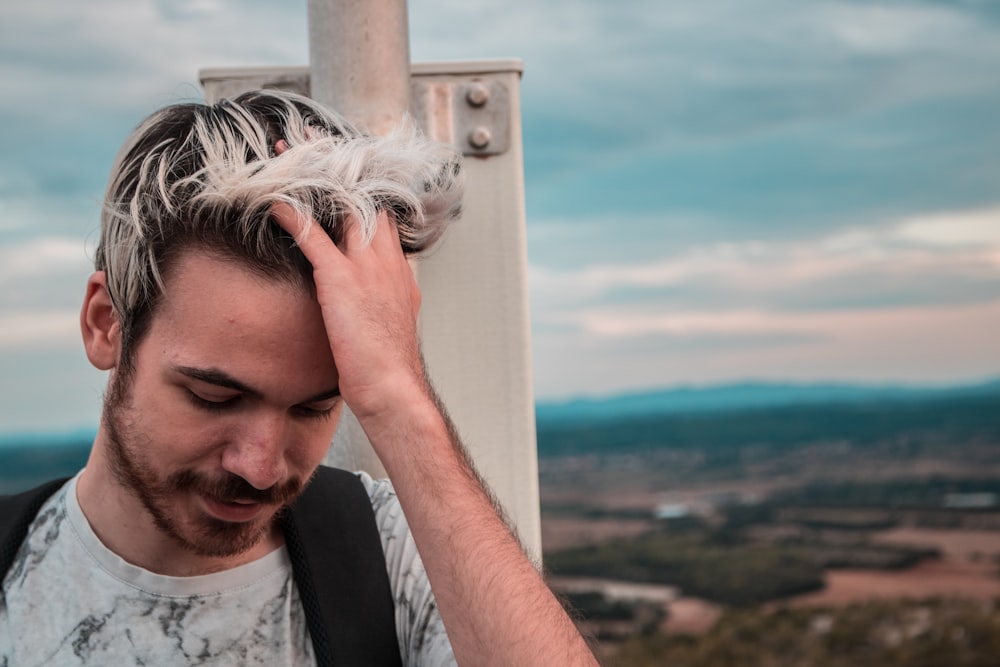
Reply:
x=251, y=281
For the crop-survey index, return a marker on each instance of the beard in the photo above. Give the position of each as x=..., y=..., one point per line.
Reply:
x=202, y=534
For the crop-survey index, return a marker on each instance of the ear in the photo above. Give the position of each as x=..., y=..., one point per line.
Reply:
x=99, y=324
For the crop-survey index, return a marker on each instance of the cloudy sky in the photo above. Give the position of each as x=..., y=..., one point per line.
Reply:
x=716, y=191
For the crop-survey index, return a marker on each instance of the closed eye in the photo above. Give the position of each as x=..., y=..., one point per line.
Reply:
x=213, y=404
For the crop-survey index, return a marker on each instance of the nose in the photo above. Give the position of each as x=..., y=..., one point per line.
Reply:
x=257, y=451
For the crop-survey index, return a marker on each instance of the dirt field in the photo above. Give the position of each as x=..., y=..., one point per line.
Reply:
x=962, y=545
x=968, y=568
x=690, y=616
x=941, y=578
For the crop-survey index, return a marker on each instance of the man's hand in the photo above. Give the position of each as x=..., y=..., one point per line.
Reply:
x=370, y=301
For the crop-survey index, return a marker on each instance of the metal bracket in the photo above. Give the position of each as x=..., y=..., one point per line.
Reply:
x=469, y=109
x=473, y=115
x=232, y=82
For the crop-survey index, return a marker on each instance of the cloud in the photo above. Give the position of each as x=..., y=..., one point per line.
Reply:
x=114, y=53
x=772, y=114
x=41, y=257
x=688, y=71
x=39, y=330
x=78, y=76
x=41, y=284
x=912, y=300
x=930, y=260
x=970, y=229
x=915, y=345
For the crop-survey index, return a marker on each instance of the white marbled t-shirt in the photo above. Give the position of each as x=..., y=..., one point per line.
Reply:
x=69, y=600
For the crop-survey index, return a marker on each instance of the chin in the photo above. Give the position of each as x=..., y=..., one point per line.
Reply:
x=214, y=538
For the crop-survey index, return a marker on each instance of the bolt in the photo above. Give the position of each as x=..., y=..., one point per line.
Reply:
x=477, y=95
x=480, y=137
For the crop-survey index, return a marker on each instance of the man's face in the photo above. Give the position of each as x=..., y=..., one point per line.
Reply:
x=231, y=406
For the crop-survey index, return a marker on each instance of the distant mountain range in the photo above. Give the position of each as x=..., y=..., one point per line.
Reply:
x=676, y=400
x=747, y=396
x=70, y=438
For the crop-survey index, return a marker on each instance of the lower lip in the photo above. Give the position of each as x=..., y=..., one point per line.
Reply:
x=233, y=512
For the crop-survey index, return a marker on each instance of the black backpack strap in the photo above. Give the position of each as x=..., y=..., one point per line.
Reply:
x=340, y=571
x=16, y=514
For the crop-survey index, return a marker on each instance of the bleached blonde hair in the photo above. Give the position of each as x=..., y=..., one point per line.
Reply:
x=206, y=176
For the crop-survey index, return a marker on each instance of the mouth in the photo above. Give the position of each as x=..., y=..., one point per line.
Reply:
x=233, y=511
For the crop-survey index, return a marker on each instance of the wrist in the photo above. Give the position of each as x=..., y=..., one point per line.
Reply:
x=401, y=412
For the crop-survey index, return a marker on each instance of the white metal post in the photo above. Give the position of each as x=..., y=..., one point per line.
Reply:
x=475, y=321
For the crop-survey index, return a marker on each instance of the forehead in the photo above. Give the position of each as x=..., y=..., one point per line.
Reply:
x=227, y=287
x=214, y=252
x=217, y=312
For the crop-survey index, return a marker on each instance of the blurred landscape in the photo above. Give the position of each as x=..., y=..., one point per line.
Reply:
x=778, y=525
x=761, y=524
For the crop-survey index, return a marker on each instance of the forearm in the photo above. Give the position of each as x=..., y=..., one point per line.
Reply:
x=495, y=605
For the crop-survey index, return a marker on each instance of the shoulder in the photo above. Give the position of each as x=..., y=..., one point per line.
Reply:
x=389, y=517
x=22, y=514
x=24, y=506
x=379, y=491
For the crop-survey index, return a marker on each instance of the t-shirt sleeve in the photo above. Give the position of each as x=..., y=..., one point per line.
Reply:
x=420, y=630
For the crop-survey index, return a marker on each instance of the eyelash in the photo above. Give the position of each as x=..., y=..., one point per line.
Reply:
x=211, y=406
x=312, y=413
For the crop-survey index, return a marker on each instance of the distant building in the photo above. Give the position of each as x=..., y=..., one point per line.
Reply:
x=970, y=501
x=671, y=511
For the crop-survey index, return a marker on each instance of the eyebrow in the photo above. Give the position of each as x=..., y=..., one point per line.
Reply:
x=220, y=378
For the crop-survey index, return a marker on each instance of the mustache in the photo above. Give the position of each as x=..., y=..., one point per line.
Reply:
x=232, y=488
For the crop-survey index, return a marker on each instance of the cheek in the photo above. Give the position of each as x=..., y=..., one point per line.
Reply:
x=315, y=447
x=314, y=442
x=183, y=435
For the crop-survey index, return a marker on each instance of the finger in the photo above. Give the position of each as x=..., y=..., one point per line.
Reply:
x=280, y=147
x=289, y=219
x=386, y=238
x=384, y=235
x=387, y=223
x=353, y=234
x=318, y=247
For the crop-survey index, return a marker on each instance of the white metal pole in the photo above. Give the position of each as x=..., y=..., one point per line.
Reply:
x=359, y=56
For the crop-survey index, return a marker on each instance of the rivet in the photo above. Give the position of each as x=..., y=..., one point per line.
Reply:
x=477, y=95
x=480, y=137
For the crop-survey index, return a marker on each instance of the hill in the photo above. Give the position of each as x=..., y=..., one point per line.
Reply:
x=913, y=425
x=745, y=396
